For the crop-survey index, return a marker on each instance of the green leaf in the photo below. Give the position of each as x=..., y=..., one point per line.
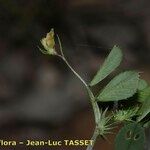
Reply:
x=110, y=64
x=142, y=84
x=144, y=94
x=121, y=87
x=144, y=110
x=130, y=137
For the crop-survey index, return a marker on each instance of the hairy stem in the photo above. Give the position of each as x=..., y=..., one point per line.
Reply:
x=92, y=100
x=94, y=137
x=64, y=59
x=90, y=93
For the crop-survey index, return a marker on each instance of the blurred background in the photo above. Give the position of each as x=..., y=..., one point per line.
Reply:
x=39, y=97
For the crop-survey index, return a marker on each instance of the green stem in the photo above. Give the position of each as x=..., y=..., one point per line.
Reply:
x=92, y=100
x=90, y=93
x=94, y=137
x=64, y=59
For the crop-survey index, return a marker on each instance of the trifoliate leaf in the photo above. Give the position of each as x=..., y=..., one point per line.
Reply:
x=121, y=87
x=110, y=64
x=144, y=94
x=144, y=110
x=142, y=84
x=130, y=137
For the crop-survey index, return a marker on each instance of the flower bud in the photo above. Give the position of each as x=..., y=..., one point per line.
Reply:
x=49, y=43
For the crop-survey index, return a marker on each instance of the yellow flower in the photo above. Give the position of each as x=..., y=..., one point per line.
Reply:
x=48, y=43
